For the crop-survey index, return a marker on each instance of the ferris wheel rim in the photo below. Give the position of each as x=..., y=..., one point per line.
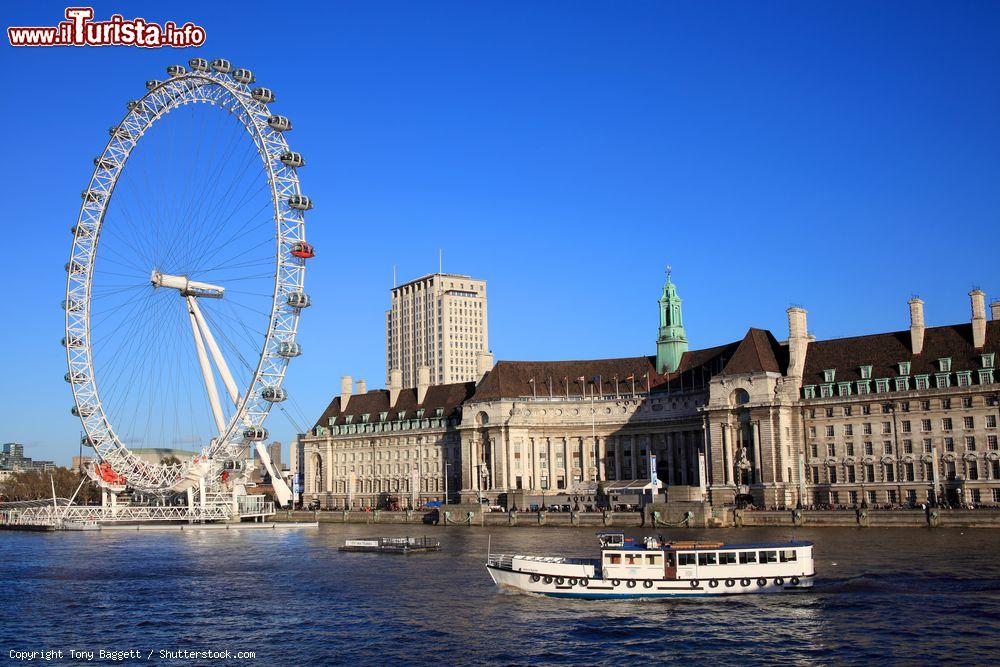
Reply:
x=251, y=409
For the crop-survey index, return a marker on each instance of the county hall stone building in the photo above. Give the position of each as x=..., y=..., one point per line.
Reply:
x=889, y=418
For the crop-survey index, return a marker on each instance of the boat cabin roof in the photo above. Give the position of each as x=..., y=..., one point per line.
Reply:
x=616, y=541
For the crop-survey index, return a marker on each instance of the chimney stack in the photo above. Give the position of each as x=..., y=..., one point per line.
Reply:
x=362, y=387
x=978, y=317
x=798, y=341
x=916, y=325
x=423, y=382
x=995, y=311
x=395, y=385
x=345, y=391
x=484, y=364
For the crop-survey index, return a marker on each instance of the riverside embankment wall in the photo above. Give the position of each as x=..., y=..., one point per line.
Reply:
x=937, y=518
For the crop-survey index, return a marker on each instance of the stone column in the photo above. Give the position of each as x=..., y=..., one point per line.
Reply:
x=493, y=463
x=328, y=467
x=567, y=463
x=727, y=455
x=756, y=452
x=634, y=467
x=550, y=463
x=601, y=446
x=535, y=467
x=668, y=453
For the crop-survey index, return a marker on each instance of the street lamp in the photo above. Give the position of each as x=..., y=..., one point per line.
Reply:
x=447, y=465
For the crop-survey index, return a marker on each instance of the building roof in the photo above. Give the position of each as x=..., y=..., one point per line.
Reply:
x=885, y=350
x=448, y=397
x=758, y=352
x=510, y=379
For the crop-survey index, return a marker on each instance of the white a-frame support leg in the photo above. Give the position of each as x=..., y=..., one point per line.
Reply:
x=206, y=370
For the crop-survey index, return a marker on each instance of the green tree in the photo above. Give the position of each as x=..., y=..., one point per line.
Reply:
x=37, y=485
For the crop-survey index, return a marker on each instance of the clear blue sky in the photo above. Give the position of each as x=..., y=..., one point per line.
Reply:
x=839, y=155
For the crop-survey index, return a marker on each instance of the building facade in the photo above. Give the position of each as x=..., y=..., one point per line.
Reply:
x=385, y=448
x=904, y=417
x=439, y=321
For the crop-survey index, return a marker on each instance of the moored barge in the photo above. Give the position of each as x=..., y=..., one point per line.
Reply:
x=392, y=545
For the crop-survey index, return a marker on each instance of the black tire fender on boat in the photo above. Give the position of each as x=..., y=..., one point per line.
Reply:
x=694, y=583
x=548, y=580
x=560, y=581
x=535, y=578
x=630, y=583
x=571, y=581
x=585, y=582
x=647, y=584
x=744, y=582
x=713, y=583
x=795, y=581
x=778, y=581
x=730, y=583
x=615, y=582
x=762, y=582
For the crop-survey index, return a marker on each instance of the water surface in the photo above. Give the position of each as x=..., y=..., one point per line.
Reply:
x=888, y=595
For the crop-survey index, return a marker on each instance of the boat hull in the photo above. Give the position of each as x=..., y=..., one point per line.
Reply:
x=603, y=589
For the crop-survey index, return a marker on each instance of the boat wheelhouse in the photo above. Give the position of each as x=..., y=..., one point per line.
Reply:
x=653, y=568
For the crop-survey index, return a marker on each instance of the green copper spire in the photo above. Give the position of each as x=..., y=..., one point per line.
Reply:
x=671, y=343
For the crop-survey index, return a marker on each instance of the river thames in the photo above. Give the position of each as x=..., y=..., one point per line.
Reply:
x=887, y=595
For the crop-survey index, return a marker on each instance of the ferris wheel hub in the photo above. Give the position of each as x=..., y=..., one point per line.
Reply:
x=185, y=286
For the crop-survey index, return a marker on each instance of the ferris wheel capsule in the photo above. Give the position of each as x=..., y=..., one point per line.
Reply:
x=289, y=349
x=75, y=377
x=263, y=95
x=298, y=300
x=74, y=267
x=273, y=394
x=72, y=305
x=255, y=433
x=92, y=196
x=87, y=441
x=78, y=412
x=244, y=76
x=279, y=123
x=152, y=83
x=71, y=342
x=137, y=104
x=292, y=159
x=176, y=70
x=302, y=250
x=300, y=202
x=104, y=164
x=198, y=64
x=222, y=66
x=120, y=133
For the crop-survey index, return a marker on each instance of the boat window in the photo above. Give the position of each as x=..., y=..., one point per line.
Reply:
x=768, y=556
x=727, y=558
x=652, y=559
x=706, y=559
x=614, y=559
x=631, y=559
x=685, y=559
x=748, y=557
x=787, y=555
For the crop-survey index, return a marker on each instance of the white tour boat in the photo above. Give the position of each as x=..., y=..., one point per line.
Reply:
x=656, y=569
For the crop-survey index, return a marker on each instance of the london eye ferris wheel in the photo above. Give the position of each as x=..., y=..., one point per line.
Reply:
x=186, y=282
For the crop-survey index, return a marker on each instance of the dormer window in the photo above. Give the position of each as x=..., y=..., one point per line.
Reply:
x=382, y=416
x=844, y=388
x=944, y=364
x=866, y=372
x=882, y=385
x=420, y=413
x=864, y=386
x=439, y=412
x=987, y=358
x=829, y=375
x=903, y=384
x=923, y=382
x=826, y=390
x=348, y=419
x=964, y=378
x=985, y=376
x=810, y=391
x=402, y=415
x=364, y=417
x=904, y=368
x=943, y=380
